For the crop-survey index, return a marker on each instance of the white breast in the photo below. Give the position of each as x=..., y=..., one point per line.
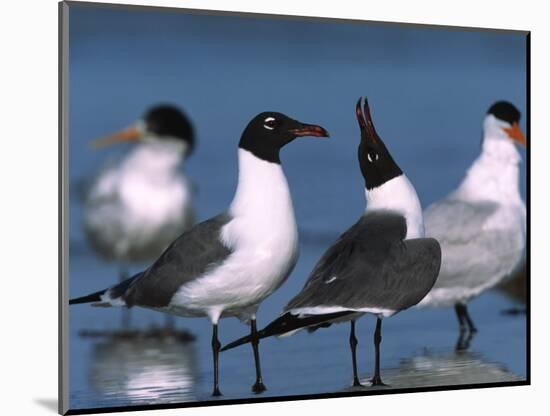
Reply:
x=494, y=175
x=494, y=178
x=152, y=188
x=263, y=237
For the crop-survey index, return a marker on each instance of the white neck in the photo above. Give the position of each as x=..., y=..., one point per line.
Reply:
x=398, y=195
x=494, y=175
x=156, y=157
x=262, y=188
x=261, y=211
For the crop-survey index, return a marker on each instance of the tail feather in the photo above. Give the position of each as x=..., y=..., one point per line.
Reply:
x=94, y=297
x=286, y=324
x=114, y=293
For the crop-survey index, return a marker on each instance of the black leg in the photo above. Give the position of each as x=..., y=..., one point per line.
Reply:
x=215, y=351
x=353, y=346
x=466, y=326
x=258, y=386
x=459, y=309
x=125, y=319
x=377, y=380
x=469, y=321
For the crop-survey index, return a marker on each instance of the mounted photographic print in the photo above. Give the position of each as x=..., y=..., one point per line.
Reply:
x=266, y=208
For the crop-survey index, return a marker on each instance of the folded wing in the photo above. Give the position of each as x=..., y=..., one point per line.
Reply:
x=371, y=267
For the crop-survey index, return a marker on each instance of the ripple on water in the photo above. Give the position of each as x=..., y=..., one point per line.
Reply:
x=142, y=371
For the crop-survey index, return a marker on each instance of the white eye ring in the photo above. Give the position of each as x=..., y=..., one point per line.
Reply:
x=370, y=158
x=267, y=120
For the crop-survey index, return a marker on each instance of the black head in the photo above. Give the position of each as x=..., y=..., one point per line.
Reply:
x=505, y=111
x=269, y=131
x=163, y=121
x=167, y=121
x=376, y=163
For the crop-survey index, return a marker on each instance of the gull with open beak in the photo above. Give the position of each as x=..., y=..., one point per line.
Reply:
x=135, y=208
x=481, y=225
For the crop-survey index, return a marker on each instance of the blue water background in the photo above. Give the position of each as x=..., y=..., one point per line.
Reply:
x=428, y=88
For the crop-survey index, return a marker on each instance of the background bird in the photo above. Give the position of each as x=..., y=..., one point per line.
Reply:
x=481, y=225
x=227, y=265
x=136, y=207
x=381, y=265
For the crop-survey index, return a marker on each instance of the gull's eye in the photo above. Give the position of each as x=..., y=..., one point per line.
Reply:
x=270, y=123
x=372, y=156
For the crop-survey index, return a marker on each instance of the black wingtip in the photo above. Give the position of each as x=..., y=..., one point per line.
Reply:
x=236, y=343
x=94, y=297
x=277, y=327
x=287, y=323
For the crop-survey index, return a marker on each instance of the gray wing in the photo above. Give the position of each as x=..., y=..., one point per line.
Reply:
x=456, y=221
x=372, y=266
x=472, y=256
x=187, y=258
x=101, y=205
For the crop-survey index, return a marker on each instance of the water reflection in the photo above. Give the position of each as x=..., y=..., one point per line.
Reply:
x=446, y=369
x=464, y=340
x=143, y=371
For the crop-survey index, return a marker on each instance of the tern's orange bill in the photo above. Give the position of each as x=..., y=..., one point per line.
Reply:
x=516, y=134
x=129, y=134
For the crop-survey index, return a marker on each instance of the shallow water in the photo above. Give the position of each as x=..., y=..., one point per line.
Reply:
x=428, y=92
x=417, y=351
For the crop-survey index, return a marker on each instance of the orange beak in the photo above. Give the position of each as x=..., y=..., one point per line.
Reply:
x=516, y=134
x=129, y=134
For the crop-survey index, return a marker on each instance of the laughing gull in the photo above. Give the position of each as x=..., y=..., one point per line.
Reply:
x=381, y=265
x=135, y=208
x=228, y=264
x=481, y=225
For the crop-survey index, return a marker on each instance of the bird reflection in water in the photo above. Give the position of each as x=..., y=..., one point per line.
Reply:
x=464, y=340
x=446, y=369
x=143, y=371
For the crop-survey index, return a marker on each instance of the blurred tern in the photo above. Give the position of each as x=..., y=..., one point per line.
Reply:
x=481, y=225
x=135, y=208
x=227, y=265
x=381, y=265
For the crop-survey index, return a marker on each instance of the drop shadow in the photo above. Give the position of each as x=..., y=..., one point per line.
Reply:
x=48, y=404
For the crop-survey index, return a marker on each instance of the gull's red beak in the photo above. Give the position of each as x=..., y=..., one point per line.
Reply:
x=516, y=134
x=129, y=134
x=366, y=125
x=310, y=130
